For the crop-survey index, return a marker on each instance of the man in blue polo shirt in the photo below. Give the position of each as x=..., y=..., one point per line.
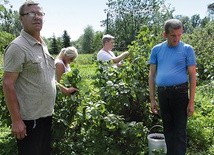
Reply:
x=173, y=70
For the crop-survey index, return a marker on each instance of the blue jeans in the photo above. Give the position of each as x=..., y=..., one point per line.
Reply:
x=173, y=103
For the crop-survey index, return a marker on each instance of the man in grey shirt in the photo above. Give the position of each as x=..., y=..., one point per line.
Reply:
x=29, y=84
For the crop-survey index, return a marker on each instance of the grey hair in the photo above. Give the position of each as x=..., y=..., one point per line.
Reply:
x=25, y=4
x=172, y=24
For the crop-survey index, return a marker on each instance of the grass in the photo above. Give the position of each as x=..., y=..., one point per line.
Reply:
x=85, y=64
x=85, y=59
x=87, y=69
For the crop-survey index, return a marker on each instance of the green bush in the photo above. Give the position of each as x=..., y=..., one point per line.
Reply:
x=200, y=39
x=201, y=125
x=113, y=114
x=110, y=114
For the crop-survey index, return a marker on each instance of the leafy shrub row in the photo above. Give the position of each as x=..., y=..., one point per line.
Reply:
x=111, y=114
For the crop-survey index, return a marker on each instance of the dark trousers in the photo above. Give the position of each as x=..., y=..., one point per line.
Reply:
x=173, y=103
x=38, y=139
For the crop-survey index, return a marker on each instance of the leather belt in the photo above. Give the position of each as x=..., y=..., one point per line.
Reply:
x=174, y=86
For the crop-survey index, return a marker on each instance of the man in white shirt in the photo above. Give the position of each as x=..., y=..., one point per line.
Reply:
x=106, y=54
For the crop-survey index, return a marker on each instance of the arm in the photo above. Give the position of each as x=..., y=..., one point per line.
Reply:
x=120, y=57
x=60, y=69
x=192, y=81
x=65, y=90
x=152, y=75
x=18, y=126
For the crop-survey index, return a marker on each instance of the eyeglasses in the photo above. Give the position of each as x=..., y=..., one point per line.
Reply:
x=33, y=14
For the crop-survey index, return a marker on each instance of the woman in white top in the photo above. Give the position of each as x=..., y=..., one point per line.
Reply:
x=63, y=60
x=62, y=63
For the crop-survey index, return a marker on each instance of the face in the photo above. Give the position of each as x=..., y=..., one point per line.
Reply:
x=68, y=59
x=110, y=44
x=174, y=36
x=32, y=19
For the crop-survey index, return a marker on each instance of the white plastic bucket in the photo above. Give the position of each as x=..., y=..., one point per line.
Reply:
x=156, y=142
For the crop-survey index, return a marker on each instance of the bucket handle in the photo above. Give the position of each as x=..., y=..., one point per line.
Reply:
x=155, y=126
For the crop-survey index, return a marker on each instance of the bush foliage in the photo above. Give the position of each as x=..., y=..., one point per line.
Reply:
x=111, y=113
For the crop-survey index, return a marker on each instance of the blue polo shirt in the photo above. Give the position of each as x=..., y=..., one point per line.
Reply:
x=172, y=63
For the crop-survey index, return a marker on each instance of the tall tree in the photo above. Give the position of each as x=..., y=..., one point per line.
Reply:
x=210, y=8
x=188, y=28
x=66, y=39
x=54, y=46
x=97, y=44
x=195, y=20
x=126, y=17
x=205, y=21
x=9, y=19
x=87, y=40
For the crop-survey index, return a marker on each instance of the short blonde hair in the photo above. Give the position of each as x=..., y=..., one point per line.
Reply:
x=107, y=38
x=70, y=52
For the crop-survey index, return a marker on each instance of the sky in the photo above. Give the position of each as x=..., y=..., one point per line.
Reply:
x=75, y=15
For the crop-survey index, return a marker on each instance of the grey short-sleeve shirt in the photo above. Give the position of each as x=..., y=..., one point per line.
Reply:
x=35, y=86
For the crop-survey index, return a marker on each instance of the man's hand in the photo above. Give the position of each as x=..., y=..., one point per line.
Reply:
x=190, y=109
x=154, y=107
x=19, y=129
